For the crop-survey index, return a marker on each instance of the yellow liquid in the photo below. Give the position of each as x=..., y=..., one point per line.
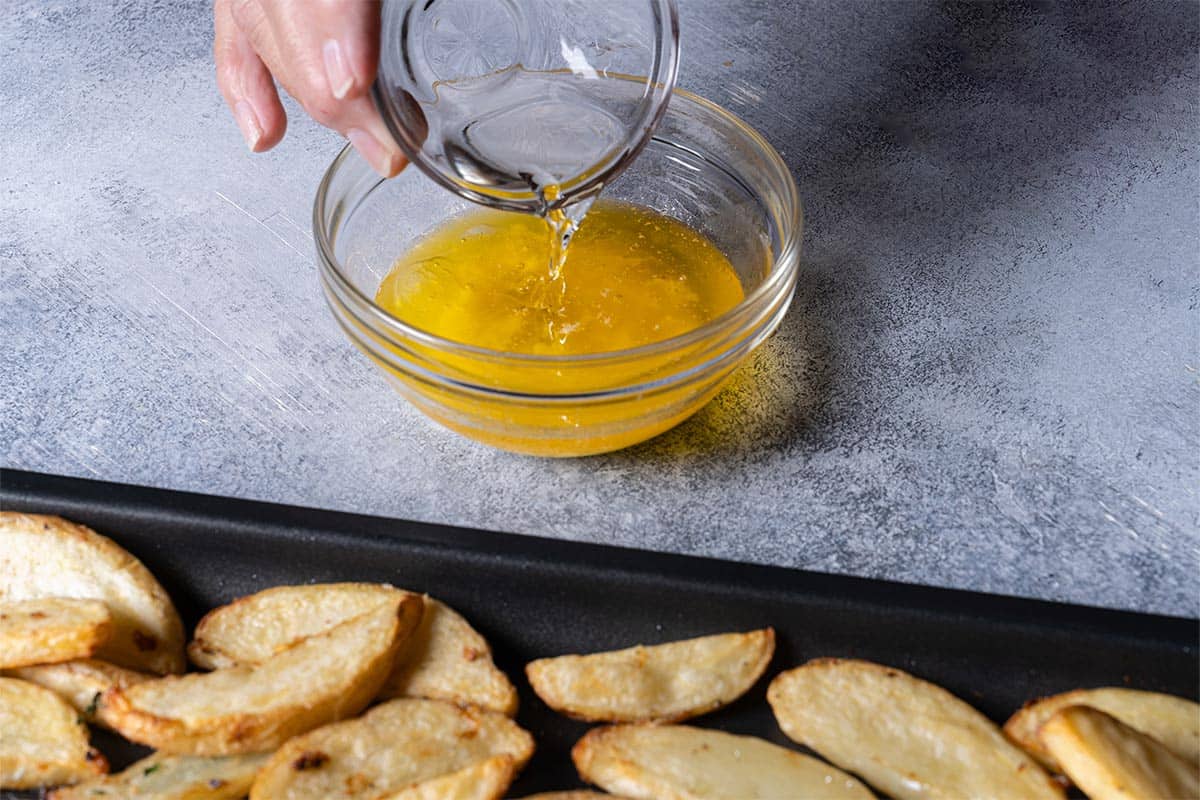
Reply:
x=631, y=277
x=490, y=279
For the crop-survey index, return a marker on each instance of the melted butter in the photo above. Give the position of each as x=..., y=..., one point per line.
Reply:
x=492, y=279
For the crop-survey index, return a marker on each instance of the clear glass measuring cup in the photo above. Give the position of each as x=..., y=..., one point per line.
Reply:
x=525, y=104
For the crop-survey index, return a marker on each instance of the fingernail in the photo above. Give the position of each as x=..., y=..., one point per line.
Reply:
x=382, y=159
x=337, y=71
x=247, y=120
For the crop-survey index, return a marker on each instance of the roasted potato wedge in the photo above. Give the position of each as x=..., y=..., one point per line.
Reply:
x=679, y=762
x=44, y=556
x=450, y=661
x=251, y=709
x=1110, y=760
x=1171, y=720
x=51, y=630
x=252, y=629
x=905, y=736
x=42, y=741
x=486, y=780
x=83, y=684
x=572, y=795
x=662, y=683
x=159, y=777
x=399, y=745
x=445, y=660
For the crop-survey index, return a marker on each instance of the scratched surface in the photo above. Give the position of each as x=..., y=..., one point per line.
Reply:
x=988, y=378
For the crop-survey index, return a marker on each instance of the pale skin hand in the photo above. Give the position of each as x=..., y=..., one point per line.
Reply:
x=322, y=52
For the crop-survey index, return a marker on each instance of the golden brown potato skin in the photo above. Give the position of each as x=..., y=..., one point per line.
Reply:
x=1173, y=721
x=1109, y=760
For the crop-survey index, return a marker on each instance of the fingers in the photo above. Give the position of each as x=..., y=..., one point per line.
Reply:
x=245, y=83
x=350, y=47
x=324, y=53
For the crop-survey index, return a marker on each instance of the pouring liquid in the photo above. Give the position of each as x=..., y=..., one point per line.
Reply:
x=581, y=278
x=517, y=130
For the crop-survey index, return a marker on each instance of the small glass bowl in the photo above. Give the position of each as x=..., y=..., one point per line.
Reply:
x=704, y=167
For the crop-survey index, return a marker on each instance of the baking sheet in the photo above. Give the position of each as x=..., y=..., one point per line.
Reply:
x=534, y=597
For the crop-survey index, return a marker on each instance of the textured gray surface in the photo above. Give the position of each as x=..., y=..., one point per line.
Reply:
x=988, y=379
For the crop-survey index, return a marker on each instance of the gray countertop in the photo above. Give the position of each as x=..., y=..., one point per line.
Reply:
x=988, y=378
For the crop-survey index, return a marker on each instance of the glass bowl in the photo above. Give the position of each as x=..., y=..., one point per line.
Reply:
x=703, y=166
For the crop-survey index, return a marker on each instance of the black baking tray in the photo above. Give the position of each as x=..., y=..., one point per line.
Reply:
x=534, y=597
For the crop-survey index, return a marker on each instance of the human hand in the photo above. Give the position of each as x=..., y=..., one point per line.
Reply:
x=322, y=52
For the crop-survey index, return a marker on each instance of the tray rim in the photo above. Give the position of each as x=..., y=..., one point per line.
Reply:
x=834, y=588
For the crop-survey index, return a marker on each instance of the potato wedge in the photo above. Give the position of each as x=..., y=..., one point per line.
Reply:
x=486, y=780
x=396, y=746
x=905, y=736
x=51, y=630
x=159, y=777
x=679, y=762
x=256, y=708
x=572, y=795
x=83, y=684
x=252, y=629
x=445, y=660
x=663, y=683
x=1171, y=720
x=44, y=556
x=450, y=661
x=1110, y=760
x=42, y=741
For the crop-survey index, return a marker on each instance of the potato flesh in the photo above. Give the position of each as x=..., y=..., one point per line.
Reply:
x=159, y=777
x=450, y=661
x=487, y=780
x=446, y=659
x=392, y=747
x=679, y=762
x=666, y=682
x=256, y=708
x=252, y=629
x=83, y=683
x=51, y=630
x=1109, y=760
x=42, y=741
x=907, y=737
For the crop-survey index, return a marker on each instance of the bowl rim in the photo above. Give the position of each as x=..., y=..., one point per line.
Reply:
x=778, y=279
